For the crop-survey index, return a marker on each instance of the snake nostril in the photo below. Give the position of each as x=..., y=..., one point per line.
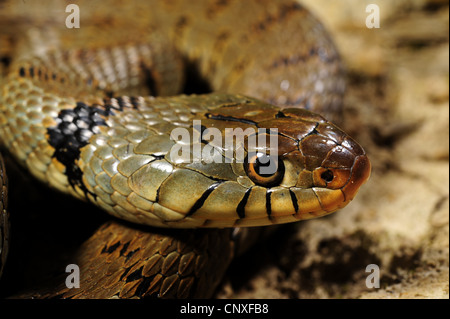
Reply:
x=327, y=176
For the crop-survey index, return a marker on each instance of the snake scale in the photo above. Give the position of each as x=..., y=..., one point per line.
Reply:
x=90, y=112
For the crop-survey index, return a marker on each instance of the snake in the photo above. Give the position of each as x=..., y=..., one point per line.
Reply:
x=92, y=112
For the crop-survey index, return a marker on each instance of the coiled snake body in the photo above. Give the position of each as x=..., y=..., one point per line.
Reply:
x=75, y=110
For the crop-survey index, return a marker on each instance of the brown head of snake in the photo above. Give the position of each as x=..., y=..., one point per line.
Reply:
x=73, y=111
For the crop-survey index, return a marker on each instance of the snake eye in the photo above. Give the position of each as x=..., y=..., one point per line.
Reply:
x=263, y=169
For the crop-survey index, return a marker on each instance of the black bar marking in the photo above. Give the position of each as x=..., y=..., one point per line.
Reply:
x=294, y=200
x=240, y=209
x=268, y=203
x=199, y=203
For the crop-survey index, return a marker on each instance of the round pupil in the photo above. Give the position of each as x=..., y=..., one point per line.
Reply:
x=264, y=166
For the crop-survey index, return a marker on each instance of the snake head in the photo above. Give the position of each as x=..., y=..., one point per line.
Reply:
x=301, y=166
x=320, y=168
x=317, y=167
